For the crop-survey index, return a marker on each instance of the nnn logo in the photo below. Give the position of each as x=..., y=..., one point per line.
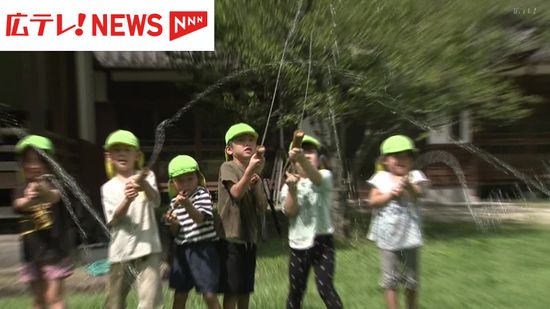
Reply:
x=183, y=23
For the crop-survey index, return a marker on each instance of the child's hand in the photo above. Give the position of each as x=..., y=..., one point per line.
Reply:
x=131, y=190
x=31, y=190
x=295, y=154
x=139, y=179
x=136, y=182
x=292, y=180
x=170, y=218
x=182, y=200
x=254, y=179
x=397, y=190
x=402, y=188
x=256, y=162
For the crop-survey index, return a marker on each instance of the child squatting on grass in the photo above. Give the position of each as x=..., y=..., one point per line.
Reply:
x=395, y=225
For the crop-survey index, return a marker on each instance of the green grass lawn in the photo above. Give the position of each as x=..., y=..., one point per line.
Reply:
x=534, y=204
x=461, y=267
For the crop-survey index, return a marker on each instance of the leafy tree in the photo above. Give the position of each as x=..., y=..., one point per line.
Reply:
x=377, y=67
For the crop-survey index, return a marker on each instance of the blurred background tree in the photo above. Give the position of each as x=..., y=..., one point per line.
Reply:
x=377, y=67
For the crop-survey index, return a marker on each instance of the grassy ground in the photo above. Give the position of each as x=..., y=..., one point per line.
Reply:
x=534, y=204
x=461, y=267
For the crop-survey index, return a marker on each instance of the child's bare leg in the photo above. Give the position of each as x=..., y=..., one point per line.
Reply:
x=39, y=294
x=211, y=300
x=243, y=301
x=180, y=299
x=391, y=298
x=54, y=294
x=411, y=299
x=230, y=301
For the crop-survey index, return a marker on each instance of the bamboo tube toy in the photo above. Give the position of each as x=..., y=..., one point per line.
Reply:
x=297, y=139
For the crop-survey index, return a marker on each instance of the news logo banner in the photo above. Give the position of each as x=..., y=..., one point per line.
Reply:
x=107, y=25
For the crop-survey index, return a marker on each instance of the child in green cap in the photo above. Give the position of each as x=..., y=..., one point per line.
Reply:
x=128, y=202
x=307, y=199
x=395, y=224
x=241, y=199
x=196, y=261
x=47, y=243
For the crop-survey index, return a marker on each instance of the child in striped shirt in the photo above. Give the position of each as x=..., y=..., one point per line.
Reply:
x=196, y=261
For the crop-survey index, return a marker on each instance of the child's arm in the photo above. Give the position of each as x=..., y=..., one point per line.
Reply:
x=238, y=189
x=34, y=192
x=416, y=188
x=290, y=205
x=27, y=199
x=130, y=193
x=296, y=154
x=259, y=193
x=47, y=192
x=19, y=204
x=172, y=220
x=377, y=199
x=196, y=215
x=151, y=193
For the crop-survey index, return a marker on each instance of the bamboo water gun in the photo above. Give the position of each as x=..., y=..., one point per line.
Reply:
x=297, y=139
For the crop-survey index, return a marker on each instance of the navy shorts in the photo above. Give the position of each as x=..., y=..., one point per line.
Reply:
x=196, y=265
x=239, y=267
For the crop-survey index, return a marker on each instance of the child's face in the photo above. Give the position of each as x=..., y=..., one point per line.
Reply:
x=186, y=182
x=33, y=165
x=123, y=157
x=399, y=164
x=242, y=147
x=311, y=155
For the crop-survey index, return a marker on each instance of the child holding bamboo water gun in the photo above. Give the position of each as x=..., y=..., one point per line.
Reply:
x=395, y=225
x=196, y=261
x=241, y=200
x=307, y=200
x=128, y=199
x=44, y=224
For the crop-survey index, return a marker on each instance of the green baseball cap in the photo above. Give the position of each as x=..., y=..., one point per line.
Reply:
x=397, y=143
x=182, y=164
x=35, y=141
x=121, y=137
x=238, y=129
x=309, y=140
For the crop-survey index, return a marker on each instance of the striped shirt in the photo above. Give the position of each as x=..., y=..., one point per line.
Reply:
x=191, y=232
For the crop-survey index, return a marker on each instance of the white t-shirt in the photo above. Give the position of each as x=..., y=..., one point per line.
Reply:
x=313, y=216
x=396, y=226
x=136, y=234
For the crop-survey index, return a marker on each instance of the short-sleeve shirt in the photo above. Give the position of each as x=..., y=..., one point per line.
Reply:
x=313, y=216
x=238, y=217
x=191, y=232
x=396, y=226
x=136, y=234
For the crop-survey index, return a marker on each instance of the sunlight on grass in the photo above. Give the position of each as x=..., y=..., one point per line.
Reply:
x=461, y=267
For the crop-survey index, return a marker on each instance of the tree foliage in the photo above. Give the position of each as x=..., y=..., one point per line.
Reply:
x=392, y=64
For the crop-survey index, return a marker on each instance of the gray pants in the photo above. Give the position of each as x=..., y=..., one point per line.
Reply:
x=400, y=266
x=145, y=273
